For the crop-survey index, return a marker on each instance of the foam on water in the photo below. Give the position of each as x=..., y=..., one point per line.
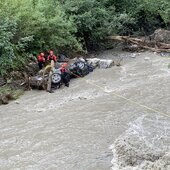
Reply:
x=144, y=146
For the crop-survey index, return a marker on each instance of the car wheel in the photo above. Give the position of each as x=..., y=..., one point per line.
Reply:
x=56, y=78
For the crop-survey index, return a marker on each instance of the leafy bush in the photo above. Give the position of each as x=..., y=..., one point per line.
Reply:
x=71, y=25
x=7, y=31
x=12, y=54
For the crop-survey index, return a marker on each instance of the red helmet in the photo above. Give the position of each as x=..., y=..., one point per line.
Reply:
x=42, y=54
x=64, y=65
x=51, y=52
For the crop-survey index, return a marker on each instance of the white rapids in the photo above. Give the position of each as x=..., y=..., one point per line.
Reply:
x=144, y=146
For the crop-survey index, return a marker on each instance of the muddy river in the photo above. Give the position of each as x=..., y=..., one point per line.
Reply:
x=87, y=127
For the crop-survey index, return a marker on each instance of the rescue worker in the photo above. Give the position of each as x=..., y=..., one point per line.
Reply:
x=52, y=56
x=50, y=70
x=65, y=76
x=41, y=61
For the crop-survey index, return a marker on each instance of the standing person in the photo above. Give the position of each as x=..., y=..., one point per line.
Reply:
x=51, y=70
x=41, y=61
x=52, y=56
x=64, y=74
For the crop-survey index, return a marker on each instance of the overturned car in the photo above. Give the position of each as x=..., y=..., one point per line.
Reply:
x=40, y=81
x=75, y=68
x=80, y=68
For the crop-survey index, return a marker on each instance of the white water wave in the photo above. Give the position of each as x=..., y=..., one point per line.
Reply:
x=144, y=146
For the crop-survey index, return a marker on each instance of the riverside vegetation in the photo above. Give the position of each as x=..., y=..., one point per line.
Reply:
x=30, y=26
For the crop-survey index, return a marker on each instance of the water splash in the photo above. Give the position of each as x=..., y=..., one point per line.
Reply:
x=144, y=146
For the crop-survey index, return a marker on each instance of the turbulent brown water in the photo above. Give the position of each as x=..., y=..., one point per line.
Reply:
x=74, y=128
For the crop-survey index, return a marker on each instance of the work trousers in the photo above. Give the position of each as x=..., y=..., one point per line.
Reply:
x=49, y=81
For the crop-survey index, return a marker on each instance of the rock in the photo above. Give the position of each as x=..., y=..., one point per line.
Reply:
x=147, y=58
x=164, y=54
x=94, y=62
x=82, y=59
x=161, y=35
x=133, y=56
x=17, y=102
x=101, y=63
x=82, y=98
x=106, y=64
x=5, y=98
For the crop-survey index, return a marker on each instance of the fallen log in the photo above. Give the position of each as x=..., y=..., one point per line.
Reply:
x=144, y=43
x=158, y=50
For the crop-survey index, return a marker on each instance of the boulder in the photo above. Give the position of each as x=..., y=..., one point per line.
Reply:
x=5, y=98
x=161, y=35
x=100, y=63
x=94, y=62
x=106, y=64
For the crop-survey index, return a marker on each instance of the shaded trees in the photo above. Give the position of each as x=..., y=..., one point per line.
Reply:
x=29, y=26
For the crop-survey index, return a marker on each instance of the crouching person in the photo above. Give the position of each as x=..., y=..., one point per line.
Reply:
x=65, y=76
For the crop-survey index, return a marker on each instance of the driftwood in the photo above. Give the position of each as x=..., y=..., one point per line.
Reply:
x=144, y=43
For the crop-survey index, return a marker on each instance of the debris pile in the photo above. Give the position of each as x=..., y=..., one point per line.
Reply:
x=159, y=41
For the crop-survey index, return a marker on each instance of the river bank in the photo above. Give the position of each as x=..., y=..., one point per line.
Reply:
x=74, y=127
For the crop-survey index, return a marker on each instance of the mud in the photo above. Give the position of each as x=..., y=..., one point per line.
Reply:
x=74, y=127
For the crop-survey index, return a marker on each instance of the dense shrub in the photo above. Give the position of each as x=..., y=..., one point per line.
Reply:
x=31, y=26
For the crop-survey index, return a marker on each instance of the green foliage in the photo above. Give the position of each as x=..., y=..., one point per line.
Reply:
x=148, y=14
x=15, y=93
x=33, y=26
x=24, y=44
x=7, y=30
x=28, y=26
x=11, y=52
x=92, y=18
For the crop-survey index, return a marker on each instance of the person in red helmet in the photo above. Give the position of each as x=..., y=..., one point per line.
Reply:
x=41, y=61
x=63, y=67
x=52, y=56
x=65, y=76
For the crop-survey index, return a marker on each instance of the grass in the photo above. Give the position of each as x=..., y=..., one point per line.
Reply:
x=8, y=90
